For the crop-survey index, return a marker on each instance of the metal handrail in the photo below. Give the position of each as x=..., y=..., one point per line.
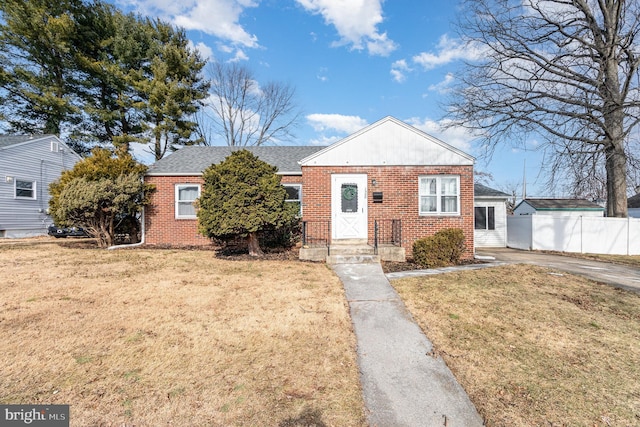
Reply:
x=387, y=231
x=315, y=232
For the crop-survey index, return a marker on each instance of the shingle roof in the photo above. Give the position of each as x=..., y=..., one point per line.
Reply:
x=480, y=190
x=558, y=204
x=634, y=202
x=9, y=140
x=195, y=159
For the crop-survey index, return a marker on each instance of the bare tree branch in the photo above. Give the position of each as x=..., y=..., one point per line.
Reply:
x=244, y=113
x=566, y=70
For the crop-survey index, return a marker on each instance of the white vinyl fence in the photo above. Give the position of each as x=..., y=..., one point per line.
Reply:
x=595, y=235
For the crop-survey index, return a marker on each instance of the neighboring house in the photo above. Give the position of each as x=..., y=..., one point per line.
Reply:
x=490, y=217
x=389, y=177
x=633, y=206
x=558, y=207
x=28, y=164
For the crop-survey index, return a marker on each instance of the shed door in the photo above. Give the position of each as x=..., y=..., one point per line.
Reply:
x=349, y=206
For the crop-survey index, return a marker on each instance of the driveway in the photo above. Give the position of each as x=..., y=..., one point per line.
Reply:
x=620, y=276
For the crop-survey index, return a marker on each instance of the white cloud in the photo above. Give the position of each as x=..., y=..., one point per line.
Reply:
x=444, y=85
x=399, y=69
x=205, y=51
x=448, y=50
x=356, y=23
x=336, y=122
x=142, y=152
x=459, y=137
x=324, y=140
x=219, y=18
x=322, y=74
x=239, y=56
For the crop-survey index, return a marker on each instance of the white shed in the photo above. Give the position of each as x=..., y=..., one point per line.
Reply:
x=490, y=217
x=28, y=164
x=558, y=207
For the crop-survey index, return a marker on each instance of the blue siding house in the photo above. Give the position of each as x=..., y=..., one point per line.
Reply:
x=28, y=164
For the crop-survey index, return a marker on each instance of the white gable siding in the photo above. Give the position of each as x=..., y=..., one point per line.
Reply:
x=30, y=161
x=524, y=208
x=389, y=142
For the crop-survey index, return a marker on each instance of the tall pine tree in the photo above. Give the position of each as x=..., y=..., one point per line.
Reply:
x=86, y=71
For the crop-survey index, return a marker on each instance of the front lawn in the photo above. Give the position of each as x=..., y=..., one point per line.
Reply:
x=534, y=347
x=167, y=337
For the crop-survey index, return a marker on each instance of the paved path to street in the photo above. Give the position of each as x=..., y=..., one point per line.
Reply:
x=404, y=383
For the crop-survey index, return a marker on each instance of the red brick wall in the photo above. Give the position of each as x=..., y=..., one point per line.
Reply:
x=399, y=185
x=161, y=226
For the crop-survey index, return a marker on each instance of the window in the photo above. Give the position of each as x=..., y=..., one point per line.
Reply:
x=186, y=194
x=485, y=218
x=55, y=147
x=440, y=195
x=294, y=194
x=25, y=189
x=349, y=198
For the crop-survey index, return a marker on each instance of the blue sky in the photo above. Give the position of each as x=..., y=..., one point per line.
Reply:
x=352, y=62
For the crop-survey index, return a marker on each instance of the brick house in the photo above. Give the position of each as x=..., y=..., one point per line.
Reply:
x=386, y=185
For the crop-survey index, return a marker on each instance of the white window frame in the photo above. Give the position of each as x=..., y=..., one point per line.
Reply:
x=487, y=219
x=34, y=188
x=439, y=194
x=179, y=187
x=299, y=199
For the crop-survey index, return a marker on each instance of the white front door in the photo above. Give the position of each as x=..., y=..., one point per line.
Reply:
x=349, y=206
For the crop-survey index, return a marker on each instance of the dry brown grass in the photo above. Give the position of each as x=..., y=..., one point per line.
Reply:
x=168, y=337
x=534, y=347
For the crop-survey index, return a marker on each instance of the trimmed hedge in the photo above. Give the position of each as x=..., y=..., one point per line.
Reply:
x=440, y=250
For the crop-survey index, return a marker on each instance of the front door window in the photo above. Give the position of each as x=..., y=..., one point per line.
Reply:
x=349, y=198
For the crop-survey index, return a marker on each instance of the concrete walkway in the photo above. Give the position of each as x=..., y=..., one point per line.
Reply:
x=403, y=383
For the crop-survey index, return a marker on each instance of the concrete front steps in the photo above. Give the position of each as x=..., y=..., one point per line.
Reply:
x=352, y=251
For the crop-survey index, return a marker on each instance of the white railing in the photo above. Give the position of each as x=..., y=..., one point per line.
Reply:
x=596, y=235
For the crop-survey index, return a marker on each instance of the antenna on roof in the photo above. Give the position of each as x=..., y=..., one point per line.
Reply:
x=524, y=180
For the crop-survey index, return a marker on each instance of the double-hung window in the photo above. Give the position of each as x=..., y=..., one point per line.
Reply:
x=440, y=195
x=294, y=195
x=485, y=217
x=186, y=195
x=25, y=189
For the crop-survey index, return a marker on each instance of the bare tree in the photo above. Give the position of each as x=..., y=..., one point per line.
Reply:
x=243, y=112
x=564, y=69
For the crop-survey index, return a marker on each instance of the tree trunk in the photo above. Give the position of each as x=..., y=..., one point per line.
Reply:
x=254, y=245
x=616, y=166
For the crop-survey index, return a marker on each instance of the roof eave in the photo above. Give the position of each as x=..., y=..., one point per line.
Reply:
x=200, y=173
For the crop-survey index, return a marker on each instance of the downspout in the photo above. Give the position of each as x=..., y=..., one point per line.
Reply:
x=141, y=242
x=133, y=245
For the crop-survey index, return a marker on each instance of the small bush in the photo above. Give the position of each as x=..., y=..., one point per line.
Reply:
x=440, y=250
